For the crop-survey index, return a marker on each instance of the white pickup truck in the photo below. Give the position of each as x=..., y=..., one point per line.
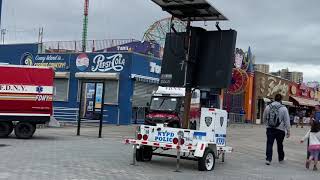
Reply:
x=205, y=144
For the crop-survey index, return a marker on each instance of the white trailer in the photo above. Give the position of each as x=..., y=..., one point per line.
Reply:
x=205, y=144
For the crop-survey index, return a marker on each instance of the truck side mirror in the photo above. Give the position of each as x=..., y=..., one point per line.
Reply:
x=148, y=104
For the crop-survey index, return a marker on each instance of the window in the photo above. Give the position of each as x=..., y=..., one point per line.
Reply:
x=111, y=92
x=60, y=89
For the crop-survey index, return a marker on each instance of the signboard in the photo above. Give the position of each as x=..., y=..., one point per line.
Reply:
x=302, y=90
x=91, y=103
x=267, y=86
x=99, y=96
x=147, y=48
x=56, y=61
x=101, y=62
x=154, y=68
x=88, y=101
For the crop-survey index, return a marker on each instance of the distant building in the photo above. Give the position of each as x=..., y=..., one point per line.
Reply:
x=262, y=68
x=294, y=76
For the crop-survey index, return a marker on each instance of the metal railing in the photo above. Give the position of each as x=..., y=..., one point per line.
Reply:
x=236, y=118
x=76, y=46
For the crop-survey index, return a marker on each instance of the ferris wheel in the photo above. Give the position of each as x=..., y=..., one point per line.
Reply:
x=157, y=31
x=239, y=81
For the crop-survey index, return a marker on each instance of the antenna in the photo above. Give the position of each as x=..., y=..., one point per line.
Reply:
x=85, y=25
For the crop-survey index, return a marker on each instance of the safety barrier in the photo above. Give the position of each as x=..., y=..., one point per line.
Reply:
x=236, y=118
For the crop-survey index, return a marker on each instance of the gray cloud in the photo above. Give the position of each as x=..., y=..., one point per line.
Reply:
x=278, y=31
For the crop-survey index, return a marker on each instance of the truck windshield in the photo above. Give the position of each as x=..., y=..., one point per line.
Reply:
x=163, y=104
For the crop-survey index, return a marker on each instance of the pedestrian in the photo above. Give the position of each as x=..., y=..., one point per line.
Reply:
x=291, y=119
x=276, y=118
x=313, y=135
x=296, y=119
x=300, y=115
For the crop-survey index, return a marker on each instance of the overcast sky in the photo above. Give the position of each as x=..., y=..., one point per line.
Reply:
x=283, y=33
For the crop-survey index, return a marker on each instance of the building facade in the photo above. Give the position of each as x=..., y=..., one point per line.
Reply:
x=129, y=79
x=296, y=96
x=294, y=76
x=265, y=68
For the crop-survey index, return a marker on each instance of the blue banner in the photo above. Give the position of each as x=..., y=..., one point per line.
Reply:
x=59, y=62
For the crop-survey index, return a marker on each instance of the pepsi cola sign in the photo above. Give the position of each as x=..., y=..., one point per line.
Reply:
x=82, y=62
x=102, y=63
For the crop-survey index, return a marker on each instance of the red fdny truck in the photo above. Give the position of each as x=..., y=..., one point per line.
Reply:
x=26, y=94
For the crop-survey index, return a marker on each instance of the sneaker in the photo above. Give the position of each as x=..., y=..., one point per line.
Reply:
x=283, y=161
x=315, y=168
x=268, y=163
x=307, y=164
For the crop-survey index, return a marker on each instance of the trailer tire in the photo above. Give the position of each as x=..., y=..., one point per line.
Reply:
x=139, y=156
x=147, y=153
x=5, y=129
x=144, y=153
x=24, y=130
x=207, y=161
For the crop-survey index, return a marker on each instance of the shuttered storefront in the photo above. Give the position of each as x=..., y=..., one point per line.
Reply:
x=141, y=95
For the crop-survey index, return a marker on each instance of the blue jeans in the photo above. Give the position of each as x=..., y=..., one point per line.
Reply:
x=278, y=135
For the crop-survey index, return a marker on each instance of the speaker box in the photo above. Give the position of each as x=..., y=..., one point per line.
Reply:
x=214, y=70
x=173, y=63
x=211, y=59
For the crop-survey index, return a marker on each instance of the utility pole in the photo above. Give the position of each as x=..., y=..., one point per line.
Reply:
x=3, y=33
x=2, y=30
x=0, y=12
x=40, y=38
x=85, y=25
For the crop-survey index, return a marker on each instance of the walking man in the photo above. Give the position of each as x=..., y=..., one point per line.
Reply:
x=277, y=120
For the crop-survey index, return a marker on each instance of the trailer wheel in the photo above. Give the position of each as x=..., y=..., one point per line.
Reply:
x=207, y=162
x=139, y=156
x=5, y=129
x=147, y=153
x=144, y=153
x=24, y=130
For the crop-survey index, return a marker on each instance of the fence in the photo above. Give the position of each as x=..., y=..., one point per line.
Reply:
x=236, y=118
x=76, y=46
x=70, y=115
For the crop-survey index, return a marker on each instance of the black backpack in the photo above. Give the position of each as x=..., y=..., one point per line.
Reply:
x=273, y=118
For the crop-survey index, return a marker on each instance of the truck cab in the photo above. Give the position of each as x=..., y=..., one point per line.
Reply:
x=165, y=107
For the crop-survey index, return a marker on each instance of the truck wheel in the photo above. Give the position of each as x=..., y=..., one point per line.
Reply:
x=24, y=130
x=5, y=129
x=207, y=162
